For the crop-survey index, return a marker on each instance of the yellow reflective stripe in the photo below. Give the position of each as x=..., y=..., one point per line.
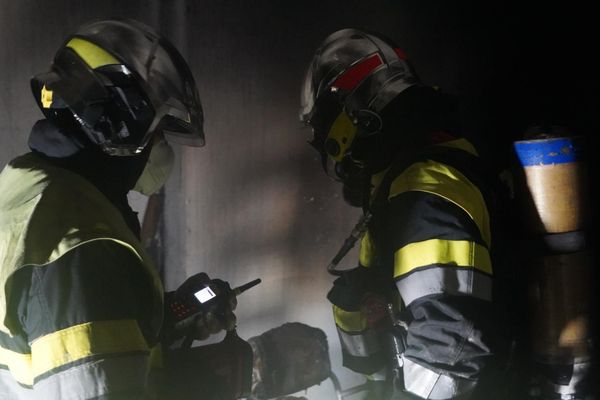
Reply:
x=92, y=54
x=18, y=364
x=366, y=253
x=156, y=357
x=342, y=131
x=437, y=251
x=447, y=182
x=81, y=341
x=461, y=144
x=349, y=321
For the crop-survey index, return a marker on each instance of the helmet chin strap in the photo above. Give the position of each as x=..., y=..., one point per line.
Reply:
x=356, y=180
x=354, y=195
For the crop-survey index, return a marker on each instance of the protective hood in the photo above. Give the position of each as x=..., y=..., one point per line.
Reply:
x=157, y=170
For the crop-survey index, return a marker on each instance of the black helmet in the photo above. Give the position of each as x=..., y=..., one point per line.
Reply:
x=121, y=82
x=352, y=77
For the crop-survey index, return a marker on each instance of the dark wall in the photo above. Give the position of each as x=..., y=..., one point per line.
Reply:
x=254, y=202
x=512, y=63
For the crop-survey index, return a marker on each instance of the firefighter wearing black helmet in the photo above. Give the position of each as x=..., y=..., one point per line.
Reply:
x=395, y=145
x=81, y=305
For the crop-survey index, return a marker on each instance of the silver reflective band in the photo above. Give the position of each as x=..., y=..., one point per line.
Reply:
x=449, y=280
x=10, y=389
x=580, y=371
x=359, y=345
x=428, y=384
x=96, y=378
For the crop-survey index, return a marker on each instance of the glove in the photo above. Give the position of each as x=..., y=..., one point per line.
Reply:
x=374, y=307
x=186, y=316
x=218, y=316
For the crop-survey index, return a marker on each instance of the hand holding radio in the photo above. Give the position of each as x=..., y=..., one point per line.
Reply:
x=200, y=307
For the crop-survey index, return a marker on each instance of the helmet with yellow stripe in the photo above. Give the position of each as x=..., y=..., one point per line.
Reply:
x=120, y=82
x=351, y=78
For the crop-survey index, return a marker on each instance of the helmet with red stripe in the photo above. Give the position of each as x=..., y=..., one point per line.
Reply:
x=351, y=78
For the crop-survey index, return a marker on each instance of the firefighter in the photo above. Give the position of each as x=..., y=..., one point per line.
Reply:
x=81, y=305
x=395, y=145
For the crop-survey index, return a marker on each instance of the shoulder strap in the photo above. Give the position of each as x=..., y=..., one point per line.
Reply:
x=465, y=162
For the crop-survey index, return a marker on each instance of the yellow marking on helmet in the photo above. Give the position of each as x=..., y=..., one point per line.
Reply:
x=94, y=55
x=46, y=97
x=342, y=131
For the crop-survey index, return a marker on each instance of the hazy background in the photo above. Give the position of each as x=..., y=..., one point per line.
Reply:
x=254, y=202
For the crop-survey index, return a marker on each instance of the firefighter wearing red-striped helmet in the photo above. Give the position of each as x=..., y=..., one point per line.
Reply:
x=350, y=80
x=395, y=144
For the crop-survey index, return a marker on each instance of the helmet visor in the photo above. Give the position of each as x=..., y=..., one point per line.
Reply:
x=180, y=115
x=108, y=103
x=128, y=114
x=162, y=72
x=327, y=109
x=307, y=96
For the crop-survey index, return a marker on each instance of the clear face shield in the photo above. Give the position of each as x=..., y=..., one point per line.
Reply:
x=180, y=116
x=329, y=150
x=109, y=104
x=163, y=72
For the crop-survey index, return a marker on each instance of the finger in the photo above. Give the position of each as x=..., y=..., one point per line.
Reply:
x=233, y=303
x=229, y=321
x=199, y=329
x=201, y=334
x=213, y=325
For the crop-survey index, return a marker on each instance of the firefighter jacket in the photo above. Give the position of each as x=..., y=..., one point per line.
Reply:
x=429, y=241
x=80, y=303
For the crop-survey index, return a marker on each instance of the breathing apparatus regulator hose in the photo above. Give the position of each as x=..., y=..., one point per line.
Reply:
x=357, y=233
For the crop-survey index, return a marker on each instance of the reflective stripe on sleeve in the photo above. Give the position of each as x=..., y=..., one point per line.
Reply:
x=450, y=280
x=10, y=389
x=460, y=253
x=362, y=344
x=121, y=374
x=428, y=384
x=449, y=183
x=366, y=253
x=89, y=339
x=349, y=321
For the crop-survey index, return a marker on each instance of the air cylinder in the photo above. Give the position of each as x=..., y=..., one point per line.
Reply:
x=556, y=205
x=556, y=179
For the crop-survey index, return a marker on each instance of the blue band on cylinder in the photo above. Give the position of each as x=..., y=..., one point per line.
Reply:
x=549, y=151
